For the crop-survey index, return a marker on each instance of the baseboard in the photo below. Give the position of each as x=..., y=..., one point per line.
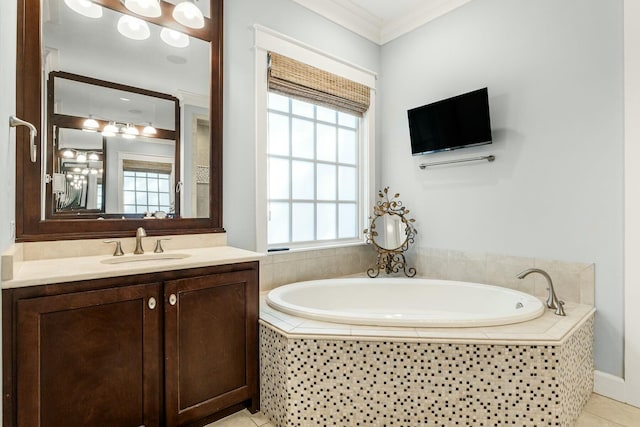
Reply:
x=609, y=386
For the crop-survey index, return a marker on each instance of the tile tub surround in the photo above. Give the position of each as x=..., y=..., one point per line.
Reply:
x=281, y=268
x=324, y=380
x=573, y=282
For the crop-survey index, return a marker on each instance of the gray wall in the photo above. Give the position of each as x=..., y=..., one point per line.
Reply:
x=295, y=21
x=555, y=78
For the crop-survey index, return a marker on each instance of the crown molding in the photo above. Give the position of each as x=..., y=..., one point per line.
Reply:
x=348, y=15
x=364, y=23
x=431, y=10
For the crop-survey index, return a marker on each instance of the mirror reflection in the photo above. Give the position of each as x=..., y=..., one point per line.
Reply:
x=391, y=232
x=133, y=96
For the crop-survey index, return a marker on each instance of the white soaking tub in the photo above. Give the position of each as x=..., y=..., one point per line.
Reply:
x=405, y=302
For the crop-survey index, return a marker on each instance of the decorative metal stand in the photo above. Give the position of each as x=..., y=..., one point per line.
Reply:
x=391, y=233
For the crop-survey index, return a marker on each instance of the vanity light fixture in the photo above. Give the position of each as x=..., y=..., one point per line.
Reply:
x=133, y=28
x=174, y=38
x=148, y=8
x=188, y=15
x=130, y=132
x=110, y=130
x=85, y=8
x=90, y=124
x=149, y=130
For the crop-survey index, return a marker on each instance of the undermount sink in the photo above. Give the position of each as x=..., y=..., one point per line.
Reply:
x=144, y=257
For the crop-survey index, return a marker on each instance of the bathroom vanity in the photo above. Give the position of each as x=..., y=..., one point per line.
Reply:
x=160, y=342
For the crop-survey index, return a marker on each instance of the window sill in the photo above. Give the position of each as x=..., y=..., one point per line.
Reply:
x=318, y=247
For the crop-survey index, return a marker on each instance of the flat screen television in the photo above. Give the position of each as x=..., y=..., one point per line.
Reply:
x=449, y=124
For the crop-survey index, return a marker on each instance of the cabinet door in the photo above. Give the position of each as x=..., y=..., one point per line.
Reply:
x=90, y=358
x=211, y=355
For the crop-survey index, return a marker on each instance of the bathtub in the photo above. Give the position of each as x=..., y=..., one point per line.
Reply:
x=405, y=302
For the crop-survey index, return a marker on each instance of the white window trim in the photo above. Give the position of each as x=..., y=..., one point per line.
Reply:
x=268, y=40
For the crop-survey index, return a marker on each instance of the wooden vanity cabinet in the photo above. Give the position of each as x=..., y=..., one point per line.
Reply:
x=162, y=349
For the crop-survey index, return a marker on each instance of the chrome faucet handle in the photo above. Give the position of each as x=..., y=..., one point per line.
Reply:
x=158, y=248
x=560, y=309
x=118, y=251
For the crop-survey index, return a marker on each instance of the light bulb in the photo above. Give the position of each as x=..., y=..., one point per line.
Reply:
x=188, y=15
x=94, y=171
x=131, y=130
x=93, y=157
x=85, y=8
x=110, y=130
x=149, y=130
x=85, y=171
x=149, y=8
x=81, y=157
x=133, y=28
x=90, y=124
x=68, y=154
x=174, y=38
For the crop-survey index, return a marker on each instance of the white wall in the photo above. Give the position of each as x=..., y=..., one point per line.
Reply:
x=239, y=161
x=555, y=79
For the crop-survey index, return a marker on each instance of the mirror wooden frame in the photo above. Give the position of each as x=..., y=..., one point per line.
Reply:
x=29, y=225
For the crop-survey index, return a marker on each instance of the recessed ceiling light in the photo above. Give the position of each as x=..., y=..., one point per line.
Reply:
x=175, y=59
x=125, y=99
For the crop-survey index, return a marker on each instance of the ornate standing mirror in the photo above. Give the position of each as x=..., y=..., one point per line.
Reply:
x=390, y=232
x=128, y=107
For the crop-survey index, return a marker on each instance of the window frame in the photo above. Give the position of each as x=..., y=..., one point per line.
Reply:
x=269, y=40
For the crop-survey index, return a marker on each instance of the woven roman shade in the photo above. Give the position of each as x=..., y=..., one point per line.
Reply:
x=144, y=166
x=298, y=80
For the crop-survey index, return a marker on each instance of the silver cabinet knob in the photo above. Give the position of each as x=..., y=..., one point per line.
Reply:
x=152, y=303
x=173, y=299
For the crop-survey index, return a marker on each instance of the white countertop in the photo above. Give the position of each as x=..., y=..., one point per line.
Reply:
x=58, y=270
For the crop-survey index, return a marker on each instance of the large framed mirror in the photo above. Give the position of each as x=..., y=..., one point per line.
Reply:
x=129, y=116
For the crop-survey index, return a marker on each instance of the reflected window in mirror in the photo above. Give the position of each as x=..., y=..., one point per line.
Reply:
x=100, y=69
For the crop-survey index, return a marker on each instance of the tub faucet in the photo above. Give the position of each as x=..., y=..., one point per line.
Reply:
x=140, y=233
x=552, y=300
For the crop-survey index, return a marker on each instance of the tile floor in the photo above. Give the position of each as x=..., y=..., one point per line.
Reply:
x=598, y=412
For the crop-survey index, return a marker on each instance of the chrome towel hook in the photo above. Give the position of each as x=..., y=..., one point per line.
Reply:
x=33, y=132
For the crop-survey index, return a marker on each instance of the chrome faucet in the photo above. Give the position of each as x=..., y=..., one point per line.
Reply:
x=140, y=233
x=552, y=300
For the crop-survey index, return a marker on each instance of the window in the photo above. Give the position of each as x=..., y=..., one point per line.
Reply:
x=145, y=183
x=315, y=132
x=146, y=192
x=314, y=146
x=312, y=172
